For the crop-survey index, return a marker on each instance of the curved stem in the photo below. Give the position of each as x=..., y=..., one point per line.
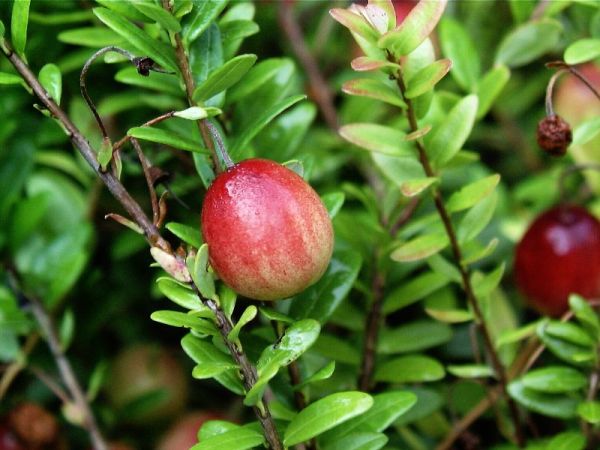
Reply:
x=550, y=90
x=464, y=272
x=563, y=67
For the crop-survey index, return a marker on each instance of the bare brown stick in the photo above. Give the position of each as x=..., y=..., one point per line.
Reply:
x=464, y=271
x=320, y=90
x=51, y=384
x=372, y=331
x=67, y=374
x=81, y=143
x=149, y=181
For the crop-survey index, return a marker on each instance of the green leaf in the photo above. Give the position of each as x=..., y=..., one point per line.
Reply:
x=274, y=315
x=426, y=78
x=66, y=329
x=589, y=411
x=189, y=235
x=369, y=64
x=257, y=125
x=586, y=131
x=125, y=9
x=412, y=188
x=484, y=285
x=298, y=338
x=325, y=414
x=373, y=88
x=156, y=81
x=166, y=137
x=528, y=42
x=18, y=25
x=223, y=77
x=257, y=77
x=355, y=23
x=458, y=46
x=323, y=373
x=412, y=337
x=410, y=369
x=554, y=379
x=414, y=29
x=472, y=193
x=582, y=50
x=10, y=78
x=445, y=141
x=552, y=405
x=420, y=247
x=203, y=352
x=489, y=88
x=358, y=441
x=414, y=290
x=61, y=18
x=476, y=219
x=159, y=51
x=585, y=313
x=179, y=293
x=159, y=15
x=337, y=349
x=568, y=440
x=51, y=80
x=321, y=299
x=203, y=279
x=247, y=316
x=240, y=438
x=471, y=371
x=185, y=320
x=333, y=202
x=377, y=138
x=477, y=252
x=199, y=19
x=569, y=332
x=450, y=315
x=212, y=369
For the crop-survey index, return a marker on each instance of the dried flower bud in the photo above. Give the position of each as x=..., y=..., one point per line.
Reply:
x=144, y=65
x=554, y=135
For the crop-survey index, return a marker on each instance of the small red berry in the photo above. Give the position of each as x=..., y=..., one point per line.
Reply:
x=268, y=233
x=559, y=255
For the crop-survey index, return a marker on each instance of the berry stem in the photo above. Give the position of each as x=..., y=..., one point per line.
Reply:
x=563, y=67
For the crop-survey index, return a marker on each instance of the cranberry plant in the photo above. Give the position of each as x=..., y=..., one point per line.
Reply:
x=423, y=148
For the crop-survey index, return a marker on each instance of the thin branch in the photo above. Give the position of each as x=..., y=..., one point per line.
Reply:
x=67, y=374
x=372, y=327
x=319, y=88
x=464, y=272
x=17, y=366
x=146, y=169
x=51, y=384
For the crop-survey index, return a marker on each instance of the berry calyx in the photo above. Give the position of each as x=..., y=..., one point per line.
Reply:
x=268, y=233
x=559, y=255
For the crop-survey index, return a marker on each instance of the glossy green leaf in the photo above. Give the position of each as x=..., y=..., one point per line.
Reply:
x=159, y=15
x=413, y=337
x=414, y=290
x=412, y=188
x=377, y=138
x=179, y=293
x=373, y=88
x=445, y=141
x=568, y=440
x=589, y=411
x=189, y=235
x=489, y=88
x=426, y=78
x=247, y=316
x=355, y=23
x=166, y=137
x=410, y=369
x=472, y=193
x=565, y=350
x=203, y=278
x=477, y=252
x=212, y=369
x=60, y=18
x=258, y=76
x=94, y=37
x=10, y=78
x=274, y=315
x=450, y=315
x=203, y=352
x=552, y=405
x=484, y=285
x=156, y=81
x=323, y=373
x=185, y=320
x=398, y=170
x=321, y=299
x=518, y=334
x=476, y=219
x=260, y=122
x=471, y=371
x=162, y=53
x=18, y=25
x=585, y=313
x=240, y=438
x=569, y=332
x=458, y=46
x=582, y=50
x=414, y=29
x=225, y=76
x=333, y=202
x=125, y=9
x=298, y=338
x=528, y=42
x=586, y=131
x=337, y=349
x=554, y=379
x=237, y=29
x=199, y=19
x=420, y=247
x=428, y=402
x=325, y=414
x=51, y=80
x=358, y=441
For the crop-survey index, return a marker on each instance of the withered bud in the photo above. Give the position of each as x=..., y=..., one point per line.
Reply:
x=554, y=135
x=33, y=424
x=157, y=175
x=144, y=65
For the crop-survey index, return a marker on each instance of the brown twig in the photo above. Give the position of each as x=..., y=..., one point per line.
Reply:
x=146, y=169
x=320, y=90
x=457, y=254
x=372, y=331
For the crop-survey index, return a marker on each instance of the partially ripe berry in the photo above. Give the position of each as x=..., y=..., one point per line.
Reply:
x=268, y=233
x=559, y=255
x=183, y=434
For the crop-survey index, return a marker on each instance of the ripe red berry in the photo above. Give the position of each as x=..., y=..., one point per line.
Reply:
x=268, y=233
x=559, y=255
